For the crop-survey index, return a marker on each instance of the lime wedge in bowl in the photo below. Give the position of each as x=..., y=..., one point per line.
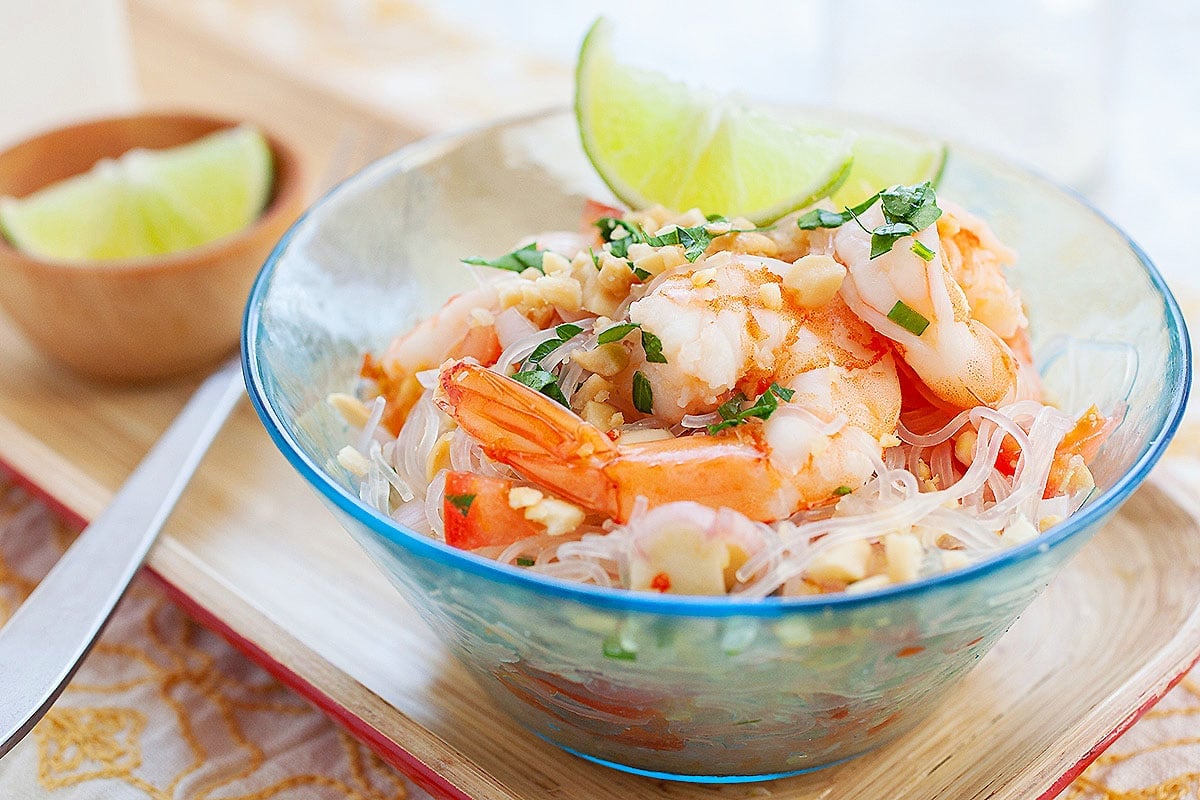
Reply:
x=147, y=202
x=657, y=141
x=883, y=159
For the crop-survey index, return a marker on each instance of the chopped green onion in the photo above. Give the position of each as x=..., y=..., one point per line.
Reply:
x=517, y=261
x=923, y=251
x=643, y=395
x=522, y=561
x=616, y=647
x=461, y=501
x=842, y=491
x=912, y=321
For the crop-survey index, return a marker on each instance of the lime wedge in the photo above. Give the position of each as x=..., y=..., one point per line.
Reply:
x=147, y=202
x=886, y=159
x=654, y=140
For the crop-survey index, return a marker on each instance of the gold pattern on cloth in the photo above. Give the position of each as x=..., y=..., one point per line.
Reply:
x=166, y=710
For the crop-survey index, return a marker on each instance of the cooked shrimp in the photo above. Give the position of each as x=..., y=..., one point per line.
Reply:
x=734, y=322
x=962, y=361
x=765, y=471
x=462, y=328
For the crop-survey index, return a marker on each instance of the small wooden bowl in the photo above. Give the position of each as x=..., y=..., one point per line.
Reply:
x=144, y=318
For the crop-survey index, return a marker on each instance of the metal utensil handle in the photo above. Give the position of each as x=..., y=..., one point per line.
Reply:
x=45, y=640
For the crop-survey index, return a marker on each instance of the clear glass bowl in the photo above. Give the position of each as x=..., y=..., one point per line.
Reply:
x=705, y=689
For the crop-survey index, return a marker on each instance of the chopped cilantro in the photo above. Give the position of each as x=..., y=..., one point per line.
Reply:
x=732, y=414
x=906, y=210
x=616, y=333
x=563, y=332
x=462, y=502
x=694, y=241
x=542, y=381
x=651, y=344
x=516, y=261
x=643, y=395
x=522, y=561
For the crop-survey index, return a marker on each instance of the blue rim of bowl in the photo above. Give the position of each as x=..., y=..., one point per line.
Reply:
x=679, y=605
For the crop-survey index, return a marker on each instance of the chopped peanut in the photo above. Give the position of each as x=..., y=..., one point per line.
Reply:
x=606, y=359
x=602, y=415
x=1019, y=531
x=354, y=462
x=843, y=563
x=1049, y=521
x=770, y=295
x=560, y=291
x=954, y=559
x=904, y=554
x=439, y=457
x=353, y=410
x=524, y=497
x=815, y=278
x=558, y=516
x=595, y=388
x=644, y=435
x=964, y=446
x=555, y=264
x=869, y=584
x=889, y=440
x=703, y=277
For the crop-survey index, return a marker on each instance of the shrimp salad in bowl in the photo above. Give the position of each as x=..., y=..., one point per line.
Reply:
x=676, y=403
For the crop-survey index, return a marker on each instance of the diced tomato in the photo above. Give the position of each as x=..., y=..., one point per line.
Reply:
x=477, y=512
x=594, y=211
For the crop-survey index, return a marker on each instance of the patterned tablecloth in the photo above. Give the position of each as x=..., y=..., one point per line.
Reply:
x=165, y=709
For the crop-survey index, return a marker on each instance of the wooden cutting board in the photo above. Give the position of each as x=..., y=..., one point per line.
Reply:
x=251, y=552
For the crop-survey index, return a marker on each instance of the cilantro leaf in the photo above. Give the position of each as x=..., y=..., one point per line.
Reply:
x=906, y=210
x=542, y=381
x=567, y=330
x=462, y=502
x=643, y=394
x=616, y=333
x=885, y=236
x=652, y=346
x=820, y=218
x=563, y=332
x=516, y=261
x=731, y=414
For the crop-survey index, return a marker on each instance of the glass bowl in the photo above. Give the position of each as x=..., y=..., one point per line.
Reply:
x=689, y=688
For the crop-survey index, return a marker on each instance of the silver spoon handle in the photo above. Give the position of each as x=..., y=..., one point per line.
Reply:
x=46, y=639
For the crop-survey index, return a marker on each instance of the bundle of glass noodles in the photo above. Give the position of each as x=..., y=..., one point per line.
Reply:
x=674, y=403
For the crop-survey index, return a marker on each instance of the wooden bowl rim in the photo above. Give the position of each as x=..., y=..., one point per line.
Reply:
x=287, y=195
